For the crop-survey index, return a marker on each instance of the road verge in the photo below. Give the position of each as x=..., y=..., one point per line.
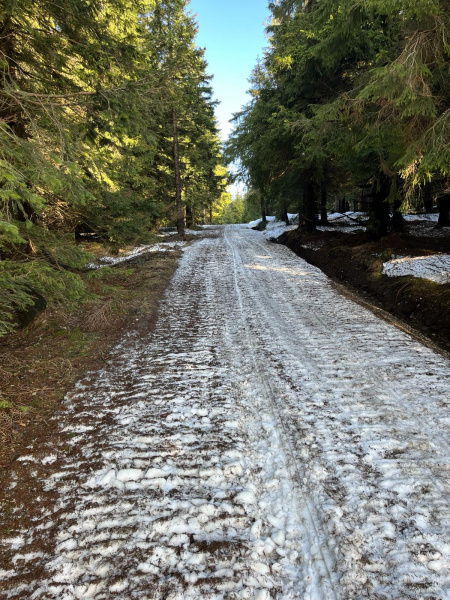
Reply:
x=357, y=262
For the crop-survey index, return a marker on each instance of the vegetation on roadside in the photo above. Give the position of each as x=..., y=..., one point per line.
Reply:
x=242, y=208
x=351, y=104
x=107, y=130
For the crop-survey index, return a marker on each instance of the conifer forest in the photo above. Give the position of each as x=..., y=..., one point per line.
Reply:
x=224, y=299
x=107, y=127
x=350, y=96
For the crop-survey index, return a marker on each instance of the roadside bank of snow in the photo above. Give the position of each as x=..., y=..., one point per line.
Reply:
x=276, y=228
x=348, y=222
x=429, y=217
x=343, y=222
x=256, y=222
x=348, y=216
x=109, y=261
x=341, y=228
x=168, y=231
x=435, y=268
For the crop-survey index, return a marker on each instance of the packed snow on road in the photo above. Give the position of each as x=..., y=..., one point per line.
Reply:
x=270, y=439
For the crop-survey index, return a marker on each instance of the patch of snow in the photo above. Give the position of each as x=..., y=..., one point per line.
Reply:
x=346, y=224
x=347, y=217
x=276, y=228
x=138, y=251
x=194, y=231
x=120, y=586
x=7, y=574
x=49, y=460
x=258, y=221
x=316, y=245
x=27, y=458
x=246, y=497
x=165, y=232
x=15, y=542
x=429, y=217
x=435, y=268
x=341, y=228
x=360, y=216
x=125, y=475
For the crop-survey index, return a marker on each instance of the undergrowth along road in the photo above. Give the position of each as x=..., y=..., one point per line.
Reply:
x=271, y=439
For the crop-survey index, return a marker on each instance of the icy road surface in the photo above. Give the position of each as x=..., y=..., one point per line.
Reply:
x=272, y=439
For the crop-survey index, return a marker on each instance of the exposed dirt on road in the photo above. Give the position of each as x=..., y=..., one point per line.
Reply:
x=270, y=439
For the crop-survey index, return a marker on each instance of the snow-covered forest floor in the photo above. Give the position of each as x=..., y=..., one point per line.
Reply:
x=435, y=268
x=270, y=439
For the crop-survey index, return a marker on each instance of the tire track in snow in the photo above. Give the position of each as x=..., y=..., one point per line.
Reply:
x=157, y=496
x=394, y=461
x=322, y=329
x=322, y=569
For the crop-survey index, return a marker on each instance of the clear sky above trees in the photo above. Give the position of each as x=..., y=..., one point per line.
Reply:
x=232, y=32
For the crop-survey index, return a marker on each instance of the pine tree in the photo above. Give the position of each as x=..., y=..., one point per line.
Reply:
x=362, y=95
x=188, y=134
x=95, y=98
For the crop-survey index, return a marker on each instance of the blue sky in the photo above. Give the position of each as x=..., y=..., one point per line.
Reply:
x=232, y=31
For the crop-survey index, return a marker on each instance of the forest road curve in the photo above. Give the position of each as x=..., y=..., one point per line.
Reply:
x=270, y=439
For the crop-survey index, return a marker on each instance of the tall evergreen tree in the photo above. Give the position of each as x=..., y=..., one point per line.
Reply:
x=188, y=133
x=95, y=98
x=363, y=96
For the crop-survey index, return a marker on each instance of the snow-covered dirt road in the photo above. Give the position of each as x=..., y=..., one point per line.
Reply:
x=271, y=439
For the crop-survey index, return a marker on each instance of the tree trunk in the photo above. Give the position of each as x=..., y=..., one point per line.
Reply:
x=176, y=160
x=427, y=198
x=309, y=204
x=398, y=221
x=263, y=210
x=323, y=202
x=284, y=215
x=443, y=203
x=379, y=210
x=189, y=217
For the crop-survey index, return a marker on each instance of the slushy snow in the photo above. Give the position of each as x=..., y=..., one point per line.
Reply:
x=270, y=439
